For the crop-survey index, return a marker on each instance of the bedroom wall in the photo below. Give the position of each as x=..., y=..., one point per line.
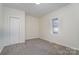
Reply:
x=1, y=19
x=68, y=29
x=32, y=27
x=1, y=26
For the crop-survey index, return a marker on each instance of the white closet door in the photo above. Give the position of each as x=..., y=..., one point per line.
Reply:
x=14, y=29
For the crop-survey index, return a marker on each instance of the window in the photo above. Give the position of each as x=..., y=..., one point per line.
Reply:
x=55, y=22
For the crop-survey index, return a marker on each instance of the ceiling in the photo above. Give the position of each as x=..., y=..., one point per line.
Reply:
x=37, y=10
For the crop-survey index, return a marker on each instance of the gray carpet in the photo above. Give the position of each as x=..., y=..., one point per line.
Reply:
x=37, y=47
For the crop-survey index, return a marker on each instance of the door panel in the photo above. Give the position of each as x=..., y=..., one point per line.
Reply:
x=14, y=29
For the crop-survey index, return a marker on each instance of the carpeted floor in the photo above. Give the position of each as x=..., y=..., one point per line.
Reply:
x=37, y=47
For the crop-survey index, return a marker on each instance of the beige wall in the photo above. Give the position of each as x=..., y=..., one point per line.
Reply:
x=69, y=26
x=1, y=21
x=32, y=27
x=1, y=27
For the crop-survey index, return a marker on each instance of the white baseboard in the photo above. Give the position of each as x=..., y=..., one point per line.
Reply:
x=63, y=45
x=1, y=47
